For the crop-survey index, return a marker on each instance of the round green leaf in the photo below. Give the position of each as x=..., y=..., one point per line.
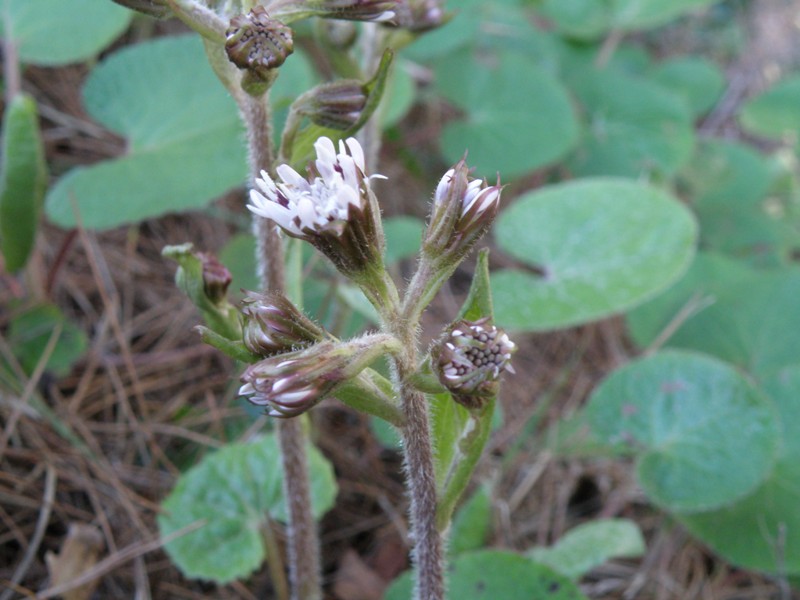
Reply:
x=763, y=530
x=589, y=19
x=513, y=123
x=185, y=143
x=23, y=180
x=601, y=246
x=55, y=32
x=687, y=418
x=700, y=82
x=633, y=127
x=748, y=317
x=229, y=494
x=494, y=574
x=774, y=113
x=590, y=545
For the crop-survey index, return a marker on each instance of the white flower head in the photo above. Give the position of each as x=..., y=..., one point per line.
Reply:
x=333, y=208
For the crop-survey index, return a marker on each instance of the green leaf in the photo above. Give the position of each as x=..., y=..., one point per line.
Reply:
x=749, y=323
x=633, y=127
x=239, y=255
x=398, y=96
x=699, y=81
x=589, y=19
x=231, y=492
x=184, y=138
x=472, y=523
x=494, y=574
x=773, y=113
x=590, y=545
x=403, y=238
x=478, y=304
x=512, y=124
x=30, y=330
x=23, y=180
x=55, y=32
x=601, y=246
x=686, y=417
x=761, y=531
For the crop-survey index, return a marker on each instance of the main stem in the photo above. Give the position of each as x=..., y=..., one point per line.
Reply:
x=420, y=474
x=303, y=542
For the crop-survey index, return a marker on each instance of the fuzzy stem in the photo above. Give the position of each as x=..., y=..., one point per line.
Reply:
x=420, y=473
x=303, y=542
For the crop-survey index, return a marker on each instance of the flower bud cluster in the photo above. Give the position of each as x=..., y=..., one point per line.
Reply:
x=272, y=324
x=258, y=43
x=470, y=360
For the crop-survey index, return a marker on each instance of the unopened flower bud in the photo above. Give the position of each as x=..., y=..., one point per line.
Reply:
x=379, y=11
x=216, y=277
x=271, y=324
x=463, y=210
x=336, y=105
x=258, y=43
x=420, y=15
x=470, y=359
x=289, y=384
x=154, y=8
x=334, y=208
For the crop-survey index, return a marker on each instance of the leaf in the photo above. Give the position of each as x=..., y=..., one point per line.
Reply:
x=773, y=113
x=750, y=322
x=602, y=246
x=497, y=575
x=55, y=32
x=30, y=330
x=699, y=81
x=472, y=524
x=403, y=238
x=232, y=491
x=590, y=545
x=589, y=19
x=184, y=137
x=760, y=532
x=633, y=127
x=686, y=417
x=23, y=180
x=512, y=124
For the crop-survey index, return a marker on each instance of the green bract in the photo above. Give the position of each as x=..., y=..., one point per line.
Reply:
x=600, y=245
x=229, y=495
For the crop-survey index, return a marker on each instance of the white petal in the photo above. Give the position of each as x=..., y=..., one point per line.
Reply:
x=247, y=389
x=443, y=187
x=292, y=177
x=356, y=152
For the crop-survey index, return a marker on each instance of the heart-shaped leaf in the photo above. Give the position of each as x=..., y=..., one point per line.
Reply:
x=229, y=495
x=55, y=32
x=600, y=246
x=686, y=417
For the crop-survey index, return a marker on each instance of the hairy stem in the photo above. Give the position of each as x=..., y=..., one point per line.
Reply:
x=303, y=542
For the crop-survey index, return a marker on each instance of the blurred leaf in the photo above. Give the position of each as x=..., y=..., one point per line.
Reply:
x=633, y=127
x=184, y=138
x=398, y=97
x=590, y=19
x=497, y=575
x=472, y=524
x=750, y=323
x=760, y=532
x=23, y=180
x=602, y=246
x=774, y=113
x=512, y=124
x=687, y=418
x=30, y=330
x=699, y=81
x=590, y=545
x=55, y=32
x=232, y=491
x=403, y=238
x=239, y=255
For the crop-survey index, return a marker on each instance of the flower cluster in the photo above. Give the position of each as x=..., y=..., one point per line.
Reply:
x=470, y=360
x=258, y=43
x=271, y=324
x=334, y=208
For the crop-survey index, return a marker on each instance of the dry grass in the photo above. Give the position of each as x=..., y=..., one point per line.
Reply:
x=148, y=399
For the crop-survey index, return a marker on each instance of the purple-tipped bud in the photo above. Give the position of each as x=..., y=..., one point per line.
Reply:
x=336, y=105
x=420, y=15
x=258, y=43
x=376, y=11
x=271, y=324
x=471, y=358
x=154, y=8
x=463, y=210
x=289, y=384
x=333, y=208
x=216, y=277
